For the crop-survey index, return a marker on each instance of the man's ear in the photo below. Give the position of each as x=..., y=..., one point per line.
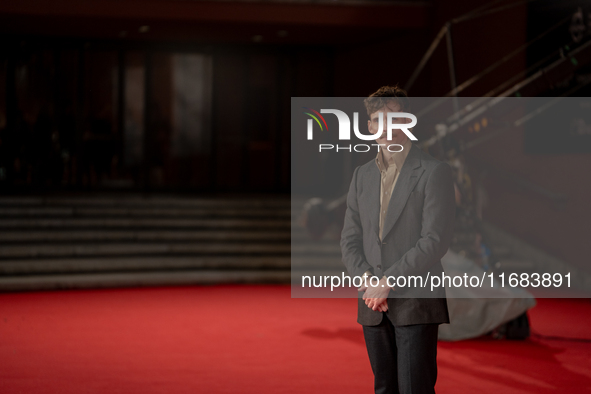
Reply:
x=369, y=126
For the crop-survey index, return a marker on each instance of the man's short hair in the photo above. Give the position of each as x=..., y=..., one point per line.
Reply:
x=383, y=96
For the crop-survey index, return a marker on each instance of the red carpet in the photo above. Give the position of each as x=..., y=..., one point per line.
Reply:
x=254, y=339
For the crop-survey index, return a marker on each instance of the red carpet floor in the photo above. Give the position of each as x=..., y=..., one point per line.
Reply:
x=255, y=339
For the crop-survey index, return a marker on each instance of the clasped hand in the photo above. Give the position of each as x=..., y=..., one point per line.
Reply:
x=376, y=297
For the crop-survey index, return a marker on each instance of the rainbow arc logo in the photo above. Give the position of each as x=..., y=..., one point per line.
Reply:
x=316, y=119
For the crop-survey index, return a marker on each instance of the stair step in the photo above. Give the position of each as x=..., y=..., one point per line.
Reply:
x=157, y=278
x=304, y=249
x=143, y=212
x=316, y=263
x=24, y=251
x=142, y=236
x=118, y=249
x=141, y=222
x=138, y=201
x=93, y=264
x=57, y=234
x=98, y=264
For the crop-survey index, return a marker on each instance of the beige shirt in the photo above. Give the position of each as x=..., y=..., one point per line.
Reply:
x=389, y=175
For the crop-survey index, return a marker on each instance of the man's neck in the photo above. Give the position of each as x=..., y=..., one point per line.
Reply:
x=387, y=155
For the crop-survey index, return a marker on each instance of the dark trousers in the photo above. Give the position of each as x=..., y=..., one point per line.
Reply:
x=403, y=358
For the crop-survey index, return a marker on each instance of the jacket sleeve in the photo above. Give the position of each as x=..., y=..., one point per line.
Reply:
x=436, y=227
x=352, y=234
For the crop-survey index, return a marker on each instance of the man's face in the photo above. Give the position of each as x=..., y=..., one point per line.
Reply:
x=373, y=124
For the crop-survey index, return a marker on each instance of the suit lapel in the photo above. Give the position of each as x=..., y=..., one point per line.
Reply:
x=373, y=185
x=408, y=178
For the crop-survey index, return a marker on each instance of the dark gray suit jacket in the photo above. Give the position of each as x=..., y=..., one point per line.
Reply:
x=417, y=232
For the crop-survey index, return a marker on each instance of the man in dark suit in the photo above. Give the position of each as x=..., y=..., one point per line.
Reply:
x=399, y=222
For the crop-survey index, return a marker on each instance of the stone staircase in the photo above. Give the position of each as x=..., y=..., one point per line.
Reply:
x=106, y=241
